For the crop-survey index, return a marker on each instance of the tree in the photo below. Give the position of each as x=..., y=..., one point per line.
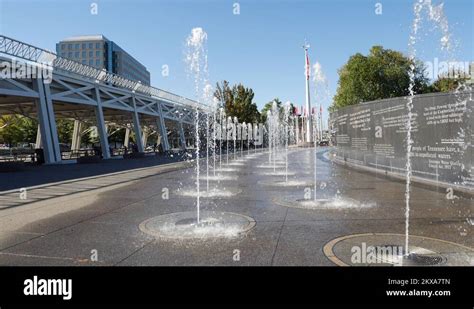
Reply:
x=87, y=139
x=237, y=102
x=446, y=84
x=65, y=128
x=384, y=73
x=269, y=106
x=224, y=94
x=30, y=129
x=280, y=106
x=449, y=81
x=15, y=129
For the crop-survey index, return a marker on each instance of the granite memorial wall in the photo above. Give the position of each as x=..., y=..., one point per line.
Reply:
x=374, y=134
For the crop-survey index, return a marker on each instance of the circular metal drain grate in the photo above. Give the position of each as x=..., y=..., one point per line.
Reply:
x=426, y=260
x=413, y=259
x=390, y=249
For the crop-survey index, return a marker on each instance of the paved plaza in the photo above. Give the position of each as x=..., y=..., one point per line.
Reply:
x=100, y=225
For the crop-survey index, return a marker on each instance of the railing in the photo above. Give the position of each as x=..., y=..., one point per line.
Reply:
x=41, y=56
x=16, y=154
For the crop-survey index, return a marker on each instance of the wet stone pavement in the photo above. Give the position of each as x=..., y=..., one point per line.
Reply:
x=70, y=229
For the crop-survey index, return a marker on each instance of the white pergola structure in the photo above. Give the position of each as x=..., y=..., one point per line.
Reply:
x=82, y=93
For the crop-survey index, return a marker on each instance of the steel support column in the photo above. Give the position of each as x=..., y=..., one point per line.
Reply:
x=101, y=127
x=38, y=137
x=160, y=123
x=145, y=138
x=76, y=135
x=162, y=133
x=126, y=140
x=47, y=123
x=181, y=135
x=137, y=128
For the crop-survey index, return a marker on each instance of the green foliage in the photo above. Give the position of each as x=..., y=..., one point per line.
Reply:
x=269, y=106
x=65, y=128
x=87, y=140
x=15, y=129
x=384, y=73
x=237, y=102
x=447, y=84
x=280, y=106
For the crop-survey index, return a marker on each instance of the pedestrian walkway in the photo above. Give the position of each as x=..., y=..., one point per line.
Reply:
x=73, y=179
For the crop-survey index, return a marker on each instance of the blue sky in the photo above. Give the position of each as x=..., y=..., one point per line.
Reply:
x=261, y=47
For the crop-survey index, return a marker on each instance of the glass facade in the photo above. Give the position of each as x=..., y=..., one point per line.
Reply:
x=101, y=53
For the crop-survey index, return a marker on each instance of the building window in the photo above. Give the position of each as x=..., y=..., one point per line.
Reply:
x=91, y=62
x=76, y=54
x=83, y=45
x=63, y=46
x=84, y=61
x=91, y=46
x=69, y=55
x=97, y=45
x=97, y=62
x=91, y=54
x=83, y=54
x=76, y=46
x=97, y=53
x=69, y=46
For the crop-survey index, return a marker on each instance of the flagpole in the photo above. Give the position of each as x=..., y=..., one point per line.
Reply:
x=321, y=121
x=308, y=102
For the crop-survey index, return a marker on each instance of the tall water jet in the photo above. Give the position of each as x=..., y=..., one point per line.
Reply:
x=275, y=127
x=249, y=137
x=255, y=132
x=198, y=146
x=207, y=96
x=234, y=133
x=321, y=95
x=435, y=14
x=196, y=59
x=286, y=117
x=243, y=127
x=214, y=134
x=207, y=151
x=221, y=134
x=315, y=141
x=269, y=135
x=206, y=224
x=228, y=130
